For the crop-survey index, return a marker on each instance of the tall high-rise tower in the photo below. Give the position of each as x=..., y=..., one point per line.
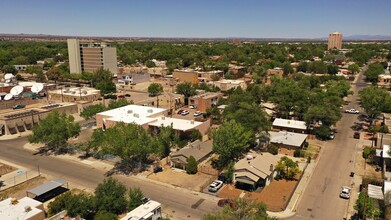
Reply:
x=335, y=41
x=89, y=57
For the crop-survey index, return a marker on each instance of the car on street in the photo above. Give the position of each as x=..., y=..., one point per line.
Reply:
x=192, y=107
x=345, y=193
x=184, y=112
x=352, y=111
x=331, y=136
x=356, y=135
x=197, y=113
x=180, y=111
x=18, y=106
x=215, y=186
x=224, y=202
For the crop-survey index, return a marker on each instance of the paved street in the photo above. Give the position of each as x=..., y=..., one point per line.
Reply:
x=321, y=198
x=180, y=203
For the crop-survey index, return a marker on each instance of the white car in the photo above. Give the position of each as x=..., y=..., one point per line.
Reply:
x=215, y=186
x=184, y=112
x=352, y=111
x=197, y=113
x=192, y=107
x=345, y=193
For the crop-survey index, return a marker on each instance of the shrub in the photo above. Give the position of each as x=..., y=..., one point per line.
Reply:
x=297, y=153
x=273, y=149
x=191, y=167
x=105, y=215
x=367, y=151
x=305, y=145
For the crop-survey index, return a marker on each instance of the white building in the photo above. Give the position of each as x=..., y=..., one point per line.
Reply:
x=151, y=210
x=88, y=57
x=290, y=125
x=227, y=84
x=25, y=208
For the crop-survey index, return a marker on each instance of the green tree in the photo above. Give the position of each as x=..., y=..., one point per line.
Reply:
x=229, y=173
x=332, y=69
x=9, y=69
x=375, y=100
x=195, y=135
x=55, y=130
x=92, y=110
x=136, y=197
x=155, y=89
x=150, y=64
x=118, y=103
x=287, y=168
x=105, y=215
x=110, y=196
x=54, y=73
x=166, y=139
x=75, y=204
x=191, y=167
x=230, y=141
x=243, y=209
x=93, y=145
x=364, y=203
x=128, y=141
x=102, y=80
x=373, y=72
x=186, y=89
x=354, y=68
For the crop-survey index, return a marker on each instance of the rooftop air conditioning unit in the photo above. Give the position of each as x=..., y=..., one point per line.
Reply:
x=149, y=110
x=130, y=111
x=27, y=208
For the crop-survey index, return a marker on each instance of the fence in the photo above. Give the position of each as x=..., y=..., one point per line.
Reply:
x=208, y=170
x=18, y=177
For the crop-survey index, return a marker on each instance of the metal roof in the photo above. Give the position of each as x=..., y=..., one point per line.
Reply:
x=46, y=187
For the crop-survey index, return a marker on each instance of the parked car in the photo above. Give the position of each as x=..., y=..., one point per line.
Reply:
x=157, y=169
x=345, y=193
x=331, y=136
x=192, y=107
x=197, y=113
x=352, y=111
x=224, y=202
x=222, y=177
x=180, y=111
x=356, y=135
x=215, y=186
x=184, y=112
x=18, y=106
x=127, y=95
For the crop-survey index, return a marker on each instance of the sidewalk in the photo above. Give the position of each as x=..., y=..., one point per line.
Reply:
x=291, y=207
x=15, y=136
x=20, y=175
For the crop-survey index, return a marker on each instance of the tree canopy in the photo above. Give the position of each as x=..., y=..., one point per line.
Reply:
x=373, y=72
x=375, y=100
x=110, y=196
x=55, y=130
x=155, y=89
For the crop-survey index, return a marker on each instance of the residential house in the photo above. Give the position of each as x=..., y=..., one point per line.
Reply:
x=25, y=208
x=199, y=150
x=287, y=140
x=205, y=101
x=255, y=171
x=187, y=75
x=226, y=84
x=290, y=125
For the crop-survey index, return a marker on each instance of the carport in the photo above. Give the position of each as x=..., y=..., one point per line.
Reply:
x=48, y=190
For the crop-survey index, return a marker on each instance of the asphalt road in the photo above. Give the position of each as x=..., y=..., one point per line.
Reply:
x=321, y=197
x=180, y=203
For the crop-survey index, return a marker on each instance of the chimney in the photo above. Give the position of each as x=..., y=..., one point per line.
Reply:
x=271, y=167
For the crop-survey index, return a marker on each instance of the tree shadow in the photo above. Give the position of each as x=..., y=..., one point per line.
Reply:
x=127, y=168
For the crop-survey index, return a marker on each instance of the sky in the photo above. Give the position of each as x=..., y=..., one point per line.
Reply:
x=196, y=18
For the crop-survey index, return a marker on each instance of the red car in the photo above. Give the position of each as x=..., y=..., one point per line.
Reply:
x=224, y=202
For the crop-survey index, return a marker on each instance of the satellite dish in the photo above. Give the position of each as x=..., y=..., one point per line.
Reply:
x=37, y=87
x=8, y=76
x=8, y=97
x=16, y=90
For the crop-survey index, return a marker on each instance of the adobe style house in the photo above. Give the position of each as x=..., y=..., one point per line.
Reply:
x=189, y=76
x=199, y=150
x=256, y=171
x=204, y=101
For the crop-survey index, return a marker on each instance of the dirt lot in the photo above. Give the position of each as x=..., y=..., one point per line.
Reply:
x=180, y=178
x=4, y=169
x=275, y=196
x=19, y=191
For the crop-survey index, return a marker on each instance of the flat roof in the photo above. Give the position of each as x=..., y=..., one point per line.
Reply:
x=17, y=211
x=288, y=138
x=287, y=123
x=177, y=124
x=386, y=149
x=46, y=187
x=208, y=95
x=231, y=81
x=143, y=211
x=75, y=91
x=375, y=192
x=133, y=114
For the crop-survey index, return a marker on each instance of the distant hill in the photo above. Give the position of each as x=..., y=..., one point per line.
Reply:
x=367, y=37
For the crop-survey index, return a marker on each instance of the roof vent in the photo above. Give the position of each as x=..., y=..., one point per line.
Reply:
x=149, y=110
x=192, y=122
x=163, y=117
x=27, y=208
x=130, y=111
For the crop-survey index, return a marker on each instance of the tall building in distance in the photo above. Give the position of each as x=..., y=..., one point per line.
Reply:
x=335, y=41
x=88, y=57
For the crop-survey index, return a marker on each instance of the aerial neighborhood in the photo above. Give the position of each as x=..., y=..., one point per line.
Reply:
x=137, y=129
